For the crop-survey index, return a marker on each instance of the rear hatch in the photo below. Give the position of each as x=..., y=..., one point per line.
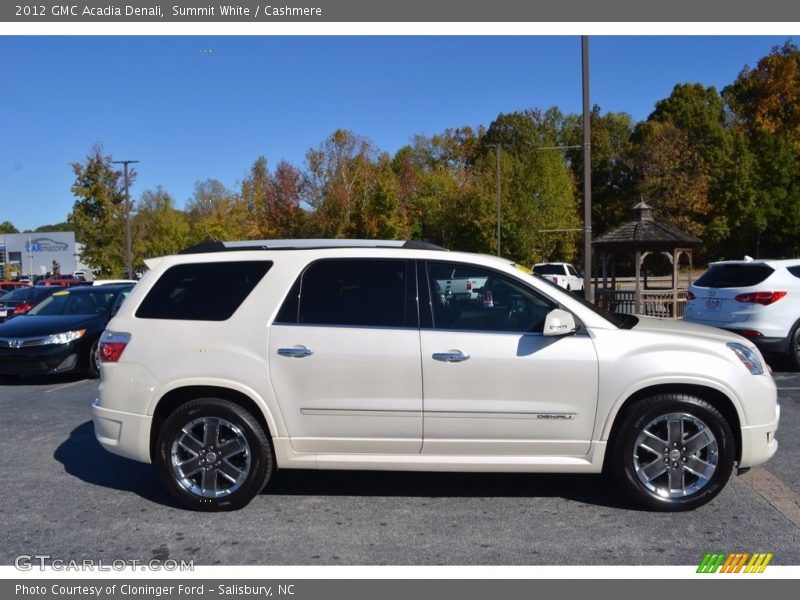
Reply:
x=715, y=292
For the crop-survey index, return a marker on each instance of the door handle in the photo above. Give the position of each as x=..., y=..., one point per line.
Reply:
x=300, y=352
x=452, y=356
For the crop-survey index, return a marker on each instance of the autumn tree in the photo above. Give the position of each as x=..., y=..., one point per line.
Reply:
x=272, y=201
x=764, y=105
x=338, y=181
x=98, y=213
x=215, y=213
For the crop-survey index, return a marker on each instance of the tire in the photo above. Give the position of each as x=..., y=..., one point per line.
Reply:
x=191, y=460
x=794, y=348
x=92, y=367
x=689, y=478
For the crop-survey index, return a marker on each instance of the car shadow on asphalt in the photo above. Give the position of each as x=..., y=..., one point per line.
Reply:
x=58, y=378
x=83, y=457
x=597, y=490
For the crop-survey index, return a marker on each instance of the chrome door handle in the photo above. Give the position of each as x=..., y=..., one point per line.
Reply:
x=455, y=356
x=295, y=352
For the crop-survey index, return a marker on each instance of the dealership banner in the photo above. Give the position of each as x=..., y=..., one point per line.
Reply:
x=398, y=589
x=497, y=11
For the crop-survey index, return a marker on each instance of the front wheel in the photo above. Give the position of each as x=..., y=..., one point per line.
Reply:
x=673, y=452
x=213, y=455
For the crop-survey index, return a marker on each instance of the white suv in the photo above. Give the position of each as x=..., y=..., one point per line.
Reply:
x=319, y=354
x=758, y=299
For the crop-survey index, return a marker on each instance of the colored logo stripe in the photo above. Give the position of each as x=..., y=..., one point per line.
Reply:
x=733, y=563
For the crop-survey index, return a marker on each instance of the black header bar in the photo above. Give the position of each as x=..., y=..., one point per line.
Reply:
x=465, y=11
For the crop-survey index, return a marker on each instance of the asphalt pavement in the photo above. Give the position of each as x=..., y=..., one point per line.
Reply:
x=64, y=496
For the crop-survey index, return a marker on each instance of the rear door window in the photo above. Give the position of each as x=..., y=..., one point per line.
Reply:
x=202, y=291
x=353, y=293
x=734, y=276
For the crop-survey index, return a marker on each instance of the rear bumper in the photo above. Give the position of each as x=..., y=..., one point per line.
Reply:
x=122, y=433
x=773, y=345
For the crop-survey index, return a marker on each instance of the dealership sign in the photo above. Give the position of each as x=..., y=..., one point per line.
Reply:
x=45, y=245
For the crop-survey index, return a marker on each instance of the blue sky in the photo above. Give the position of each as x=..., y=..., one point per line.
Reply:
x=193, y=108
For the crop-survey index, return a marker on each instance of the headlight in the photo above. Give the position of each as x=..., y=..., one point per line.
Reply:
x=748, y=357
x=63, y=338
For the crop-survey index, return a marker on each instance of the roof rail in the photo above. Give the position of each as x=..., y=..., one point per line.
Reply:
x=306, y=244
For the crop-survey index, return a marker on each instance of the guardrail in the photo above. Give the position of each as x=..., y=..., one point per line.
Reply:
x=652, y=303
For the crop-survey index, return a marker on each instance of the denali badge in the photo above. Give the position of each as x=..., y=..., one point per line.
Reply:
x=559, y=416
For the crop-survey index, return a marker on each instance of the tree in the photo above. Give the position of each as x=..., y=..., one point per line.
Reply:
x=338, y=182
x=273, y=201
x=215, y=213
x=64, y=226
x=612, y=190
x=538, y=203
x=763, y=102
x=8, y=227
x=671, y=176
x=160, y=228
x=98, y=213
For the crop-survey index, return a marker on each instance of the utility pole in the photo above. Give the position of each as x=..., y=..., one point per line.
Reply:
x=128, y=242
x=587, y=175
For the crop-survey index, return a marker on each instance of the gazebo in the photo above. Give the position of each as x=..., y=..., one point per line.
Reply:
x=639, y=239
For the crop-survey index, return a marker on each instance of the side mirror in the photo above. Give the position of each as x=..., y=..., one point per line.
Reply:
x=559, y=322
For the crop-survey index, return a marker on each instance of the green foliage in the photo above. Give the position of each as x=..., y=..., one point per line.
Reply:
x=722, y=166
x=159, y=228
x=98, y=213
x=8, y=227
x=64, y=226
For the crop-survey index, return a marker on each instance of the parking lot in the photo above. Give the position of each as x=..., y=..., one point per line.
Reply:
x=66, y=497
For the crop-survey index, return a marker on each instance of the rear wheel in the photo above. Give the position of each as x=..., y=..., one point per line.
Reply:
x=673, y=452
x=794, y=348
x=213, y=455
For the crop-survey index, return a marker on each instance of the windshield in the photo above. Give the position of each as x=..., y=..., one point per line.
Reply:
x=734, y=275
x=70, y=303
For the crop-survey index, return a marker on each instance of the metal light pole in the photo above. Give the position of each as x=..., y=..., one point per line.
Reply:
x=128, y=242
x=587, y=175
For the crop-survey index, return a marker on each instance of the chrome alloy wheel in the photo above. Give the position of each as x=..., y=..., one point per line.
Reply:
x=210, y=457
x=675, y=455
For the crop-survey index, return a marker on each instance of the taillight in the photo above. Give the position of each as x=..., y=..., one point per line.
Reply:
x=22, y=308
x=764, y=298
x=689, y=296
x=469, y=285
x=749, y=332
x=111, y=346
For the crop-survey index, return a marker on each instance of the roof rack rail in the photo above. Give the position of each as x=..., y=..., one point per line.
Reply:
x=306, y=244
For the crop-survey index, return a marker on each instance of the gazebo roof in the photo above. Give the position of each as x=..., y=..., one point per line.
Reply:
x=645, y=231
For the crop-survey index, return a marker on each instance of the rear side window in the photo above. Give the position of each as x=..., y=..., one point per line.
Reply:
x=354, y=293
x=794, y=271
x=202, y=291
x=549, y=269
x=734, y=275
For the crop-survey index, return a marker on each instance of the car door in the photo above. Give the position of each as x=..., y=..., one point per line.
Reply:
x=344, y=358
x=493, y=384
